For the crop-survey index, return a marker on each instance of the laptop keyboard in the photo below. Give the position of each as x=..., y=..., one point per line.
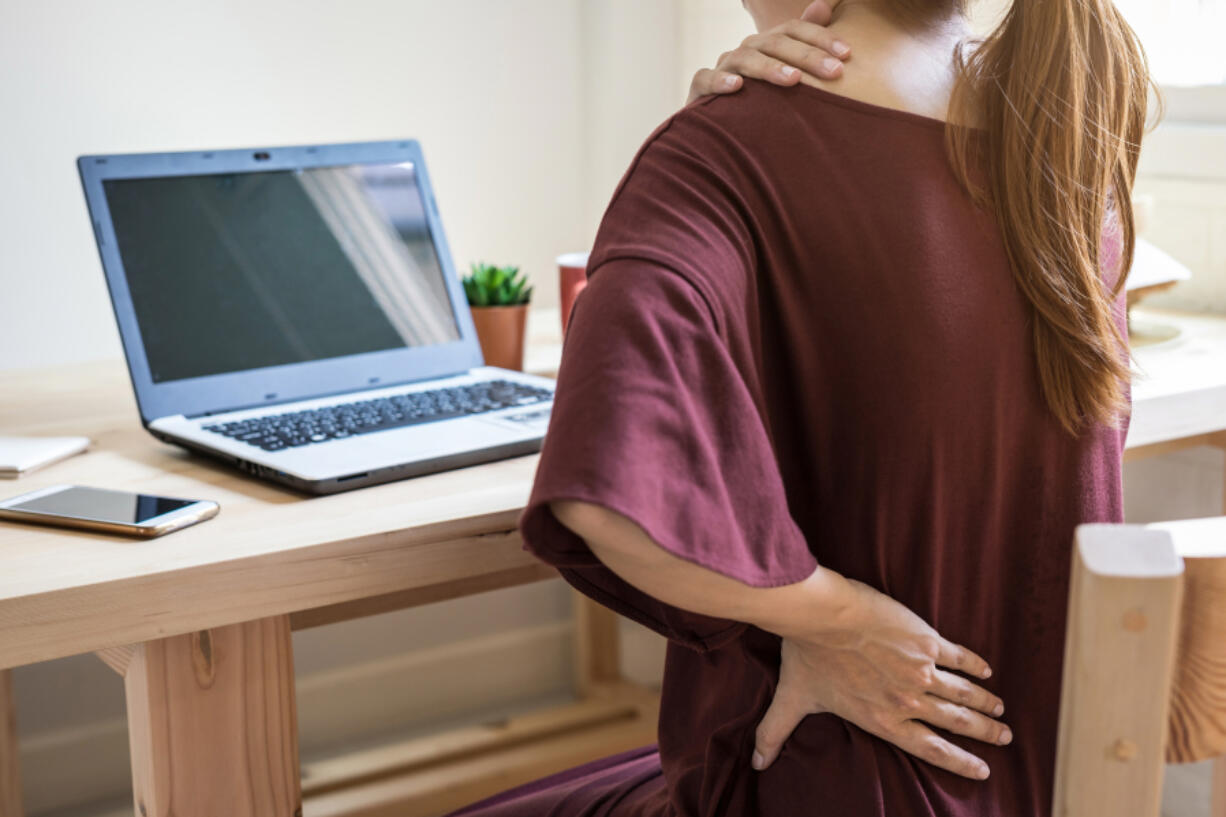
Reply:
x=297, y=428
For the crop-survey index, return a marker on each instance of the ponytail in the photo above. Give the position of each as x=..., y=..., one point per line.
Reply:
x=1061, y=88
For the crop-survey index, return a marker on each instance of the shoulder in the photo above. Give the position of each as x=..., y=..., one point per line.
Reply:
x=692, y=200
x=706, y=160
x=749, y=112
x=737, y=146
x=716, y=128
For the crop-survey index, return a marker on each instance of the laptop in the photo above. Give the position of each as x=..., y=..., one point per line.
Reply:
x=295, y=312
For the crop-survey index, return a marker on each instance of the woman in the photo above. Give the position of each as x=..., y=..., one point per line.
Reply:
x=849, y=370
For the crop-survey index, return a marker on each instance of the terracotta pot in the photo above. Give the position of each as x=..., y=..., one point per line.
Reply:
x=501, y=332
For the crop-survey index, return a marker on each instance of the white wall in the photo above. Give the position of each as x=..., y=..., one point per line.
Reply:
x=494, y=90
x=630, y=85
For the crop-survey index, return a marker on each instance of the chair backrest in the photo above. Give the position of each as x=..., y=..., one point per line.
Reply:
x=1144, y=663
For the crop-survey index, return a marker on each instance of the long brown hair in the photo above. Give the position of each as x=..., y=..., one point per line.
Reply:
x=1061, y=89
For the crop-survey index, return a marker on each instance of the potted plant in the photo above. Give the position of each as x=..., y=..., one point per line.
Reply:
x=499, y=297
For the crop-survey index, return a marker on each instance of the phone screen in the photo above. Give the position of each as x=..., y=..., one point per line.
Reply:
x=103, y=506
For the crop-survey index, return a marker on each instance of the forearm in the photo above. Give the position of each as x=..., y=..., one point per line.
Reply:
x=627, y=550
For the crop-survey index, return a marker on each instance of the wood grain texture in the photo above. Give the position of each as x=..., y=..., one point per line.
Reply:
x=376, y=605
x=117, y=658
x=89, y=617
x=1198, y=699
x=10, y=772
x=269, y=551
x=212, y=723
x=1118, y=667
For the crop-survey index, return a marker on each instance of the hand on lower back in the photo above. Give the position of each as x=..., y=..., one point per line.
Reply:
x=882, y=670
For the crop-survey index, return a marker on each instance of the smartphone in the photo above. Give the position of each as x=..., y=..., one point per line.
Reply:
x=96, y=509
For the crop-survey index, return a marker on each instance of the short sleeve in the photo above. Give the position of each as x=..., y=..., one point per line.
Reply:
x=659, y=413
x=654, y=420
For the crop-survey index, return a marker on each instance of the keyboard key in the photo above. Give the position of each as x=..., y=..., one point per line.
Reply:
x=298, y=428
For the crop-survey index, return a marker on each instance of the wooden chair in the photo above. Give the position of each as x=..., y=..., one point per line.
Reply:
x=1145, y=666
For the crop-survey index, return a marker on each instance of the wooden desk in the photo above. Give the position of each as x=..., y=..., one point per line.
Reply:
x=199, y=623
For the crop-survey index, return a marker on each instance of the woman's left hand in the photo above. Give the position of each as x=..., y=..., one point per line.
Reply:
x=781, y=55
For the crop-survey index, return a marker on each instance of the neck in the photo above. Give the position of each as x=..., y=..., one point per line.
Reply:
x=897, y=63
x=881, y=15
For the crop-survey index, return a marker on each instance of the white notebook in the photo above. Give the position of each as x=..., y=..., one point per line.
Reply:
x=21, y=455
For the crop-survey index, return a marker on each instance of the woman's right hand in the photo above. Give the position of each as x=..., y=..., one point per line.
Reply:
x=780, y=55
x=880, y=668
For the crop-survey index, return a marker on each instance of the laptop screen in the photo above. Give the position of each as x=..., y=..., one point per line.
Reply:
x=238, y=271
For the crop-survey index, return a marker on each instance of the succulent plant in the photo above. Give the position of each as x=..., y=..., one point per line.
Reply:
x=490, y=285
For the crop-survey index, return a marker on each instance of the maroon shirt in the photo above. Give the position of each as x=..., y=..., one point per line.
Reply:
x=801, y=343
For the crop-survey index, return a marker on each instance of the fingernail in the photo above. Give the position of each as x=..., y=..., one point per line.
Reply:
x=730, y=82
x=981, y=771
x=987, y=673
x=1006, y=737
x=831, y=64
x=759, y=762
x=788, y=72
x=998, y=711
x=840, y=48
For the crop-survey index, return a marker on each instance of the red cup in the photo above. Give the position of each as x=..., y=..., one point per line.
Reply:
x=572, y=269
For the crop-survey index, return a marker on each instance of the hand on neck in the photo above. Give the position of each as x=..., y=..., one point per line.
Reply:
x=898, y=63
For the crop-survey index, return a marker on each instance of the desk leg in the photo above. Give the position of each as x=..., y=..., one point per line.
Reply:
x=10, y=779
x=212, y=723
x=597, y=646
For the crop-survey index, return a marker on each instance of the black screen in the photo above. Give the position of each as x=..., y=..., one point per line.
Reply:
x=104, y=506
x=239, y=271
